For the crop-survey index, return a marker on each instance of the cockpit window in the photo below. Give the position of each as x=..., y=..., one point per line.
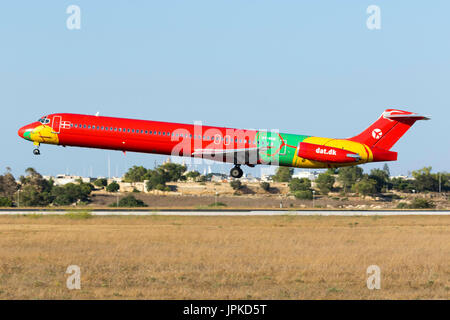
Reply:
x=44, y=120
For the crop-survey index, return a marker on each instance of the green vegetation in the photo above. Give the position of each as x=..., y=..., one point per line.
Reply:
x=5, y=202
x=348, y=176
x=129, y=201
x=101, y=182
x=418, y=203
x=158, y=177
x=236, y=184
x=113, y=187
x=192, y=175
x=217, y=204
x=8, y=187
x=36, y=191
x=265, y=186
x=70, y=193
x=283, y=174
x=381, y=178
x=325, y=182
x=365, y=186
x=78, y=215
x=304, y=194
x=297, y=184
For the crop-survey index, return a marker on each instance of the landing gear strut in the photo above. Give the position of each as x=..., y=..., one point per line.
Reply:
x=36, y=151
x=236, y=171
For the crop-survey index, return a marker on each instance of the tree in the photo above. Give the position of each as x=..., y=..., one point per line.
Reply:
x=70, y=193
x=403, y=185
x=297, y=184
x=31, y=197
x=349, y=176
x=283, y=174
x=136, y=174
x=425, y=180
x=386, y=169
x=365, y=186
x=171, y=171
x=8, y=186
x=325, y=182
x=156, y=180
x=35, y=190
x=113, y=187
x=101, y=182
x=381, y=177
x=192, y=175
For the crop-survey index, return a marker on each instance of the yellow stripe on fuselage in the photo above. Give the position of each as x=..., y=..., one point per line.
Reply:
x=356, y=147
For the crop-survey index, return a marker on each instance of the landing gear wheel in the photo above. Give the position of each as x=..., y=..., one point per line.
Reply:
x=36, y=152
x=236, y=172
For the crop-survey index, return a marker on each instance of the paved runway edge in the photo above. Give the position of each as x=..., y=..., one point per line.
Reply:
x=237, y=213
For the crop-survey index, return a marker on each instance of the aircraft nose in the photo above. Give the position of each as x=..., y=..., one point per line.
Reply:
x=21, y=132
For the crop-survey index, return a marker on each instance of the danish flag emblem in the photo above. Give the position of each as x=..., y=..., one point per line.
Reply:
x=65, y=125
x=377, y=134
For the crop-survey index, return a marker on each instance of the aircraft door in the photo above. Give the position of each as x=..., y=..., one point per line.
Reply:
x=56, y=124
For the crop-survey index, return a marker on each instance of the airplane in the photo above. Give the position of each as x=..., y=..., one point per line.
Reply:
x=237, y=146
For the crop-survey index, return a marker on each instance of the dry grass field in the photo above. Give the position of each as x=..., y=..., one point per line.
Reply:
x=283, y=257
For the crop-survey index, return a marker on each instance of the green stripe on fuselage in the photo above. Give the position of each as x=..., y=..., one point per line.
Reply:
x=280, y=147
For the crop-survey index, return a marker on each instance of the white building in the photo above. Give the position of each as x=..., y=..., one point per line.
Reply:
x=308, y=174
x=63, y=179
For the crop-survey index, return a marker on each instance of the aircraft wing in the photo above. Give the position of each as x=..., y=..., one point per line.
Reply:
x=239, y=156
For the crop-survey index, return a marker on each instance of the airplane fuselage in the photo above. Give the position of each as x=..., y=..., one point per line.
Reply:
x=238, y=146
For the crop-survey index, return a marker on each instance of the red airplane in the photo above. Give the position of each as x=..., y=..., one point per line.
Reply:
x=249, y=147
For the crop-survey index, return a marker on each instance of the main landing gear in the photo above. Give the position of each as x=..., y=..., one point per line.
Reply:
x=236, y=171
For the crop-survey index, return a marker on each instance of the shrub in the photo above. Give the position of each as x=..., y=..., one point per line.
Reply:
x=297, y=184
x=325, y=182
x=101, y=182
x=418, y=203
x=422, y=203
x=130, y=201
x=113, y=187
x=265, y=186
x=283, y=174
x=217, y=204
x=236, y=184
x=365, y=187
x=5, y=202
x=304, y=194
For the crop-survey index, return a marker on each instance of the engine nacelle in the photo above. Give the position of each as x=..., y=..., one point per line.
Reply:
x=322, y=153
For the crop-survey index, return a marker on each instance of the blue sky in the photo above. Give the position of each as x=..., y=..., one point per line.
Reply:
x=307, y=67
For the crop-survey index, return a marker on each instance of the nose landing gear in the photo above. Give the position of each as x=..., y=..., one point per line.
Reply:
x=236, y=171
x=36, y=151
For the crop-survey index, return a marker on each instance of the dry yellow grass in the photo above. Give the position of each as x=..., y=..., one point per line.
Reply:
x=285, y=257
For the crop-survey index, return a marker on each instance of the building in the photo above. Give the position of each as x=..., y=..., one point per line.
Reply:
x=308, y=174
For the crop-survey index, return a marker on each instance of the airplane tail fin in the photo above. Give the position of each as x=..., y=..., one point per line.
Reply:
x=388, y=129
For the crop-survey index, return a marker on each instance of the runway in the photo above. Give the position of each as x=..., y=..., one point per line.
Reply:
x=234, y=213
